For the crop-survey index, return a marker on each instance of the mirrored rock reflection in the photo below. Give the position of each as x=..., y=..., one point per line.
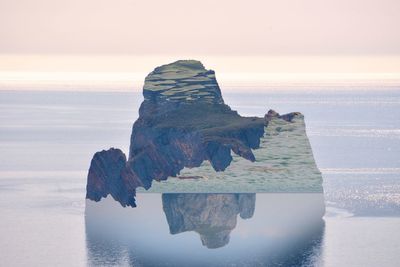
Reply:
x=200, y=229
x=212, y=216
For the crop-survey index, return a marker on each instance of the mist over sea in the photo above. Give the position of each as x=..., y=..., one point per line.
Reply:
x=47, y=140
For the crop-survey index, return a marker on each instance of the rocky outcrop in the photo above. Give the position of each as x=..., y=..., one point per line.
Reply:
x=104, y=178
x=272, y=114
x=284, y=163
x=212, y=216
x=183, y=122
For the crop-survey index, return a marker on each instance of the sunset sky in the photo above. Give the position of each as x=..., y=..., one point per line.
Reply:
x=242, y=40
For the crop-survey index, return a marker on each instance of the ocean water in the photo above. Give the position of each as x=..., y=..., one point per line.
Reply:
x=47, y=140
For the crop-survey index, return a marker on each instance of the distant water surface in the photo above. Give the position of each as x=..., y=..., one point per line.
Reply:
x=47, y=140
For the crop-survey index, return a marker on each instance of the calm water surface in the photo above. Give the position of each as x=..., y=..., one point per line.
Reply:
x=48, y=138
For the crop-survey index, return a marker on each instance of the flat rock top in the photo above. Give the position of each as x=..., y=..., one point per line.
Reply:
x=182, y=81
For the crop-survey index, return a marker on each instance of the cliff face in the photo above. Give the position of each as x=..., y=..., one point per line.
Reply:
x=284, y=163
x=183, y=122
x=105, y=178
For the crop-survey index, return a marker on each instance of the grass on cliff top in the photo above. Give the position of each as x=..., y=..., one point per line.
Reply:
x=181, y=65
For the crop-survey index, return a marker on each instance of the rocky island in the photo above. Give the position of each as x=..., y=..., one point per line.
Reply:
x=186, y=131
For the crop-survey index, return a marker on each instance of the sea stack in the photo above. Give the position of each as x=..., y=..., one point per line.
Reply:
x=184, y=124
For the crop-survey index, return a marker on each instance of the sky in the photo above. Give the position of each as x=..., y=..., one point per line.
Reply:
x=233, y=37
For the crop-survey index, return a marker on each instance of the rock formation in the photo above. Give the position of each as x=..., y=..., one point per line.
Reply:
x=284, y=163
x=105, y=178
x=183, y=122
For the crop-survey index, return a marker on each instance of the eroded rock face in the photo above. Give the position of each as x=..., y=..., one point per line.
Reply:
x=284, y=163
x=183, y=121
x=104, y=178
x=212, y=216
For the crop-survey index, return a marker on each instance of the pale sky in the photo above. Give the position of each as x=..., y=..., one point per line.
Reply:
x=287, y=38
x=250, y=27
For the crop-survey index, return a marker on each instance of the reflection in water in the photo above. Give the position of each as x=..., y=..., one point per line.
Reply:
x=213, y=216
x=284, y=230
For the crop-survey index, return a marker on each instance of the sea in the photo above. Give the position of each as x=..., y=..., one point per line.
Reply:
x=47, y=139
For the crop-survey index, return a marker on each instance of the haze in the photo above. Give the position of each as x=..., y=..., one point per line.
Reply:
x=307, y=36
